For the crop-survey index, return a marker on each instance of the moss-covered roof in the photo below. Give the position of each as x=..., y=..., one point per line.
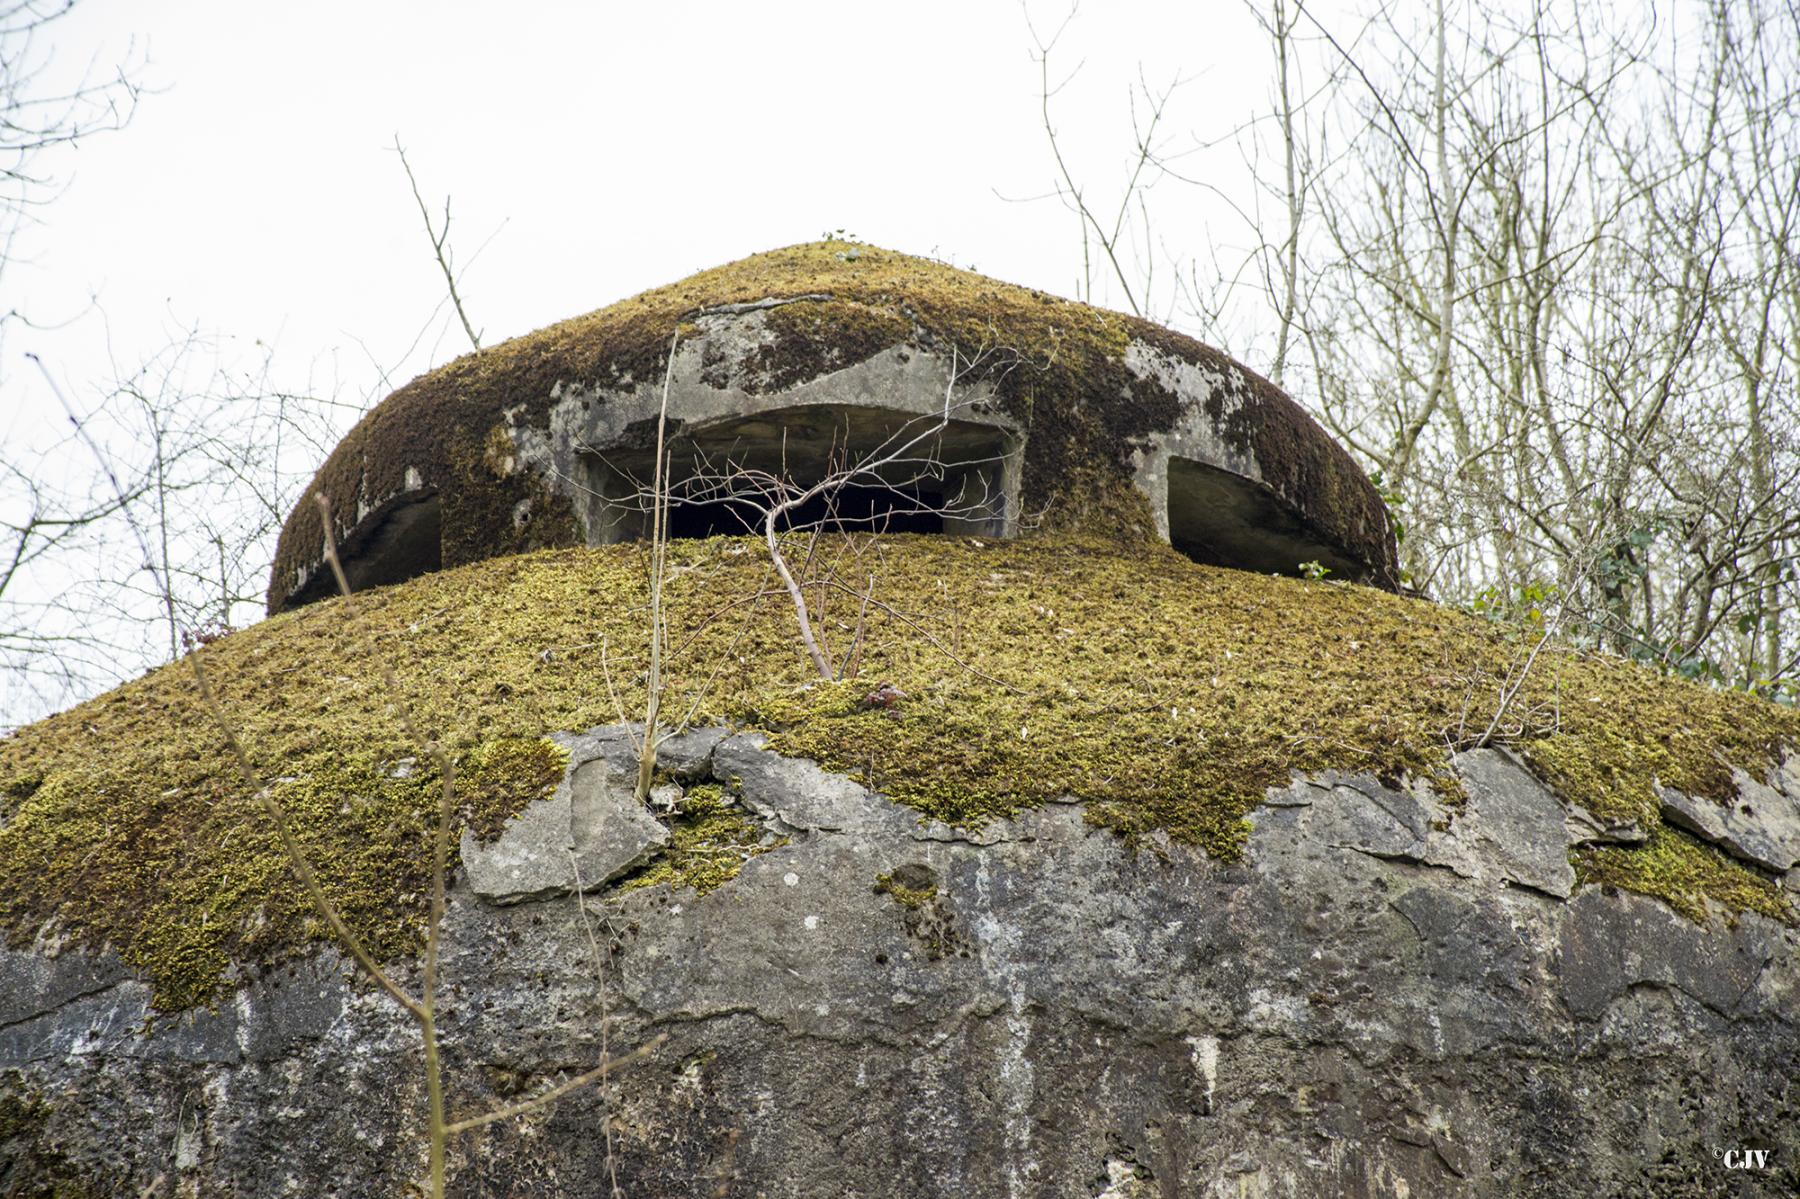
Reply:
x=1168, y=694
x=1063, y=379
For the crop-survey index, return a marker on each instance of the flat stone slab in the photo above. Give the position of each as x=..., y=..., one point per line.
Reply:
x=1510, y=829
x=800, y=795
x=1585, y=828
x=1761, y=826
x=689, y=754
x=590, y=831
x=1513, y=823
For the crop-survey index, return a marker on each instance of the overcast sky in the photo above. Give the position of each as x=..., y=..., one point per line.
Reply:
x=592, y=150
x=595, y=150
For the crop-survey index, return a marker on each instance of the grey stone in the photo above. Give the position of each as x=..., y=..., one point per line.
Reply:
x=1512, y=825
x=1367, y=1004
x=1786, y=775
x=590, y=831
x=616, y=743
x=666, y=797
x=613, y=833
x=688, y=755
x=1377, y=820
x=800, y=796
x=1614, y=945
x=1585, y=828
x=1761, y=826
x=1509, y=829
x=531, y=858
x=39, y=982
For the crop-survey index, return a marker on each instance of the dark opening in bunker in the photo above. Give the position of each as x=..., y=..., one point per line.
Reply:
x=1224, y=519
x=400, y=540
x=852, y=507
x=891, y=472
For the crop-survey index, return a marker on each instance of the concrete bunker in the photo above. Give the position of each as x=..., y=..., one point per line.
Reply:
x=895, y=472
x=1222, y=518
x=794, y=363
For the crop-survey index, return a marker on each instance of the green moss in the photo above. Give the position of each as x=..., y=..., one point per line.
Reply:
x=909, y=887
x=926, y=918
x=20, y=1115
x=494, y=775
x=1685, y=874
x=190, y=878
x=1166, y=694
x=31, y=1166
x=709, y=842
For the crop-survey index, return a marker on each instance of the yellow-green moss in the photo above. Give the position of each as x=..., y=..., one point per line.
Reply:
x=907, y=897
x=1684, y=873
x=709, y=842
x=163, y=856
x=1167, y=694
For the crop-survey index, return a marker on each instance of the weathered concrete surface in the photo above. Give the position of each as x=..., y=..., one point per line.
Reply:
x=1385, y=997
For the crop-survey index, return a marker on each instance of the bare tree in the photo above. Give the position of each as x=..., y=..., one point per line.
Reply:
x=1117, y=240
x=203, y=435
x=208, y=450
x=39, y=114
x=42, y=657
x=43, y=521
x=1536, y=265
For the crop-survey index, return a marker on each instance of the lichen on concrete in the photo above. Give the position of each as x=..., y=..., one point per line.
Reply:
x=32, y=1166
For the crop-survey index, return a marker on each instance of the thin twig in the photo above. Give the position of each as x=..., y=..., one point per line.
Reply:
x=587, y=927
x=438, y=243
x=296, y=855
x=525, y=1106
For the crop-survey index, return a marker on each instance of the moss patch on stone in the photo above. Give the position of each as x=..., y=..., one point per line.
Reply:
x=1057, y=367
x=911, y=886
x=1167, y=694
x=1685, y=873
x=709, y=842
x=163, y=856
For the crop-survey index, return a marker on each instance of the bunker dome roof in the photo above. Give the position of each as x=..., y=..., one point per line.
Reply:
x=1057, y=415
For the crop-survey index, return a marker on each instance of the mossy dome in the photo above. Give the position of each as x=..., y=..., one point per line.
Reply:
x=1044, y=414
x=1111, y=863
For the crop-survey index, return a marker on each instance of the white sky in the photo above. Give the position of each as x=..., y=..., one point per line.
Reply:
x=622, y=146
x=597, y=150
